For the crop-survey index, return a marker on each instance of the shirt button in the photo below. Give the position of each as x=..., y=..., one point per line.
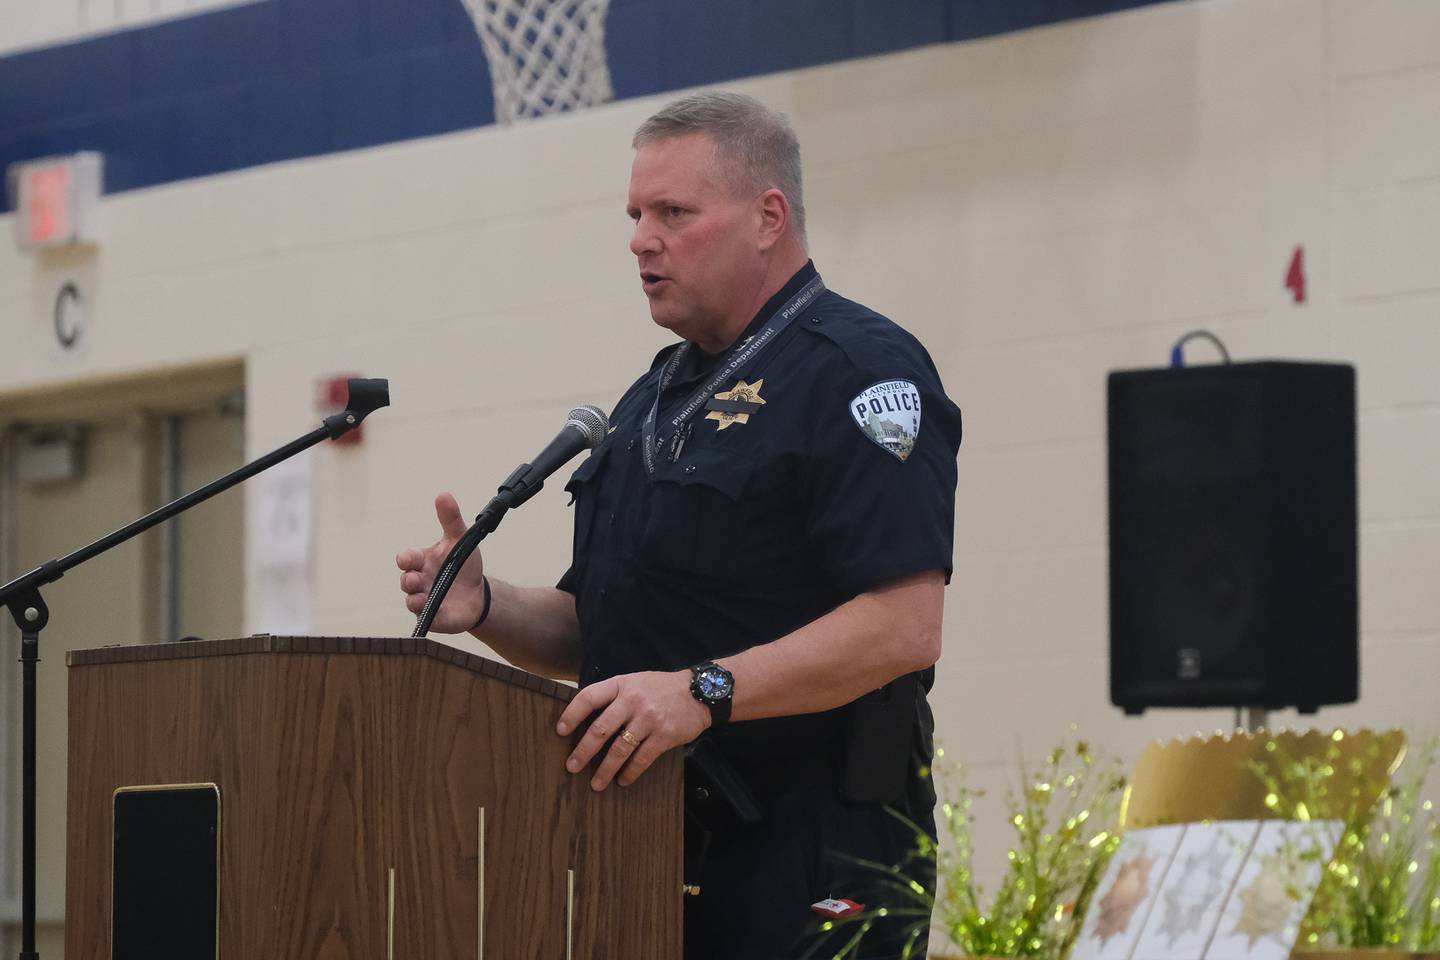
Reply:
x=690, y=468
x=814, y=319
x=612, y=519
x=630, y=445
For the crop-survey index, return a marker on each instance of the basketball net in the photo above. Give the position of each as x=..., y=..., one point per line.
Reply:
x=546, y=56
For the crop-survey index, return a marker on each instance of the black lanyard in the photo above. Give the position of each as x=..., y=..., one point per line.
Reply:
x=738, y=358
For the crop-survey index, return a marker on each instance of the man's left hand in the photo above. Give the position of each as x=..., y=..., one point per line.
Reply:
x=642, y=716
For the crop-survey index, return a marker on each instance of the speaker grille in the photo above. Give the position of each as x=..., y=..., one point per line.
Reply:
x=1226, y=489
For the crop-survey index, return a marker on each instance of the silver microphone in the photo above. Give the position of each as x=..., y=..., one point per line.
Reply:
x=591, y=421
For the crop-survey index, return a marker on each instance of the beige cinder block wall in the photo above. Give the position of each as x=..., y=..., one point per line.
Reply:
x=1039, y=208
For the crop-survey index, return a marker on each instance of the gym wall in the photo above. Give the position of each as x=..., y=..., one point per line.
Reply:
x=1039, y=207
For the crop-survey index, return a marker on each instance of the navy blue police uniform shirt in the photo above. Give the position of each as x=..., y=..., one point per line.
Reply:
x=841, y=480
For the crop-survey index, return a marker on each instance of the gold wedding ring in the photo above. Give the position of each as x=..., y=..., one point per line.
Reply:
x=629, y=738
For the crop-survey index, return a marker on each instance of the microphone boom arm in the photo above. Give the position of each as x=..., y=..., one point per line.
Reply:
x=370, y=394
x=22, y=597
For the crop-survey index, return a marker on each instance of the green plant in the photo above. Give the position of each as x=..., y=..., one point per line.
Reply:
x=1382, y=886
x=1064, y=823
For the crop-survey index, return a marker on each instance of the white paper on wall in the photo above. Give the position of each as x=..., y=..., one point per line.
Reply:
x=1126, y=894
x=1193, y=894
x=279, y=540
x=1262, y=918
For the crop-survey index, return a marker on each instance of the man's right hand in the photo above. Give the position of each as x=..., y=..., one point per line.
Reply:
x=466, y=598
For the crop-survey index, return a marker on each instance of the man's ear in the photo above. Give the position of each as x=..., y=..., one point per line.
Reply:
x=774, y=217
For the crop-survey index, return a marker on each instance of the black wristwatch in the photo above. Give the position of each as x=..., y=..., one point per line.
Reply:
x=714, y=686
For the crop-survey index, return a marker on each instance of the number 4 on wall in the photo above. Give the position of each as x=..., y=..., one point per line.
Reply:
x=1295, y=276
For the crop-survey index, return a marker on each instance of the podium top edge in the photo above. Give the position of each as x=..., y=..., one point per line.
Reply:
x=334, y=646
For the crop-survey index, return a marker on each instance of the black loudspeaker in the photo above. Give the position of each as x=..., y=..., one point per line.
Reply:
x=1232, y=536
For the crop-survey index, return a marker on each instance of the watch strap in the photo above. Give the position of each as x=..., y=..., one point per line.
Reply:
x=719, y=708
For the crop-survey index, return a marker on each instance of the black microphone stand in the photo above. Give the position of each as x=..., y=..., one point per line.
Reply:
x=22, y=597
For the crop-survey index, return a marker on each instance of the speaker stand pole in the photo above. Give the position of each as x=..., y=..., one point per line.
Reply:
x=1251, y=719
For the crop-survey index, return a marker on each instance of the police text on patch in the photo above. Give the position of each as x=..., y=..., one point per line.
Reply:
x=888, y=413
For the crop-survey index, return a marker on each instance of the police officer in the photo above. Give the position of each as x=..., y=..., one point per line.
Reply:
x=761, y=548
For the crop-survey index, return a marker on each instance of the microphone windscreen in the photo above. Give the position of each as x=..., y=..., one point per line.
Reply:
x=368, y=395
x=592, y=422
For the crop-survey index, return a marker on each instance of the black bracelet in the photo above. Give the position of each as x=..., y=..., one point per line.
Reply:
x=485, y=608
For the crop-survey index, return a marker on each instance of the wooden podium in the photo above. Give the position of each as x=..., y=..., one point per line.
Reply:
x=356, y=777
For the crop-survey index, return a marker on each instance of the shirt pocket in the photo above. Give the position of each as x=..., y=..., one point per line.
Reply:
x=584, y=490
x=699, y=515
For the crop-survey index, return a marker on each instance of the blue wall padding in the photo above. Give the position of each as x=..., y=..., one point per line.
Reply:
x=280, y=79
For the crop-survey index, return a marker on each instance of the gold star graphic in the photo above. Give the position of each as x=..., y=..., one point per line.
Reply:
x=742, y=392
x=1126, y=894
x=1270, y=901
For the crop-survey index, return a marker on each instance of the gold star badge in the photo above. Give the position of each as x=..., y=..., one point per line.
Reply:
x=736, y=404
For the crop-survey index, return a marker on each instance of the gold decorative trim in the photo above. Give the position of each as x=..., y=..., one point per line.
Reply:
x=154, y=787
x=480, y=891
x=390, y=920
x=569, y=914
x=1207, y=778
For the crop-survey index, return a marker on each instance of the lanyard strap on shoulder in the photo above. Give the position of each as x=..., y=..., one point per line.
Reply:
x=746, y=352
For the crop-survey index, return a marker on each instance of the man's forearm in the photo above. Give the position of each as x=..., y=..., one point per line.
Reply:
x=535, y=628
x=858, y=647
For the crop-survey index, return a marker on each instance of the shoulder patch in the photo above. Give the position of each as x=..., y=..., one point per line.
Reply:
x=888, y=413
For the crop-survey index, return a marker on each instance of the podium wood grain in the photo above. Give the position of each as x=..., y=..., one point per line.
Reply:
x=339, y=759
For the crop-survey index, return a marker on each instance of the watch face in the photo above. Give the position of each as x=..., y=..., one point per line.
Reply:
x=714, y=683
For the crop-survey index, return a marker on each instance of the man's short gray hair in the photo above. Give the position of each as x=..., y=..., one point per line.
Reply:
x=755, y=146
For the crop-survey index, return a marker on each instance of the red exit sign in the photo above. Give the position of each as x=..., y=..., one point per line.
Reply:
x=56, y=200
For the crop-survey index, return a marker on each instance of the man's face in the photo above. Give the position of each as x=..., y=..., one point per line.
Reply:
x=696, y=243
